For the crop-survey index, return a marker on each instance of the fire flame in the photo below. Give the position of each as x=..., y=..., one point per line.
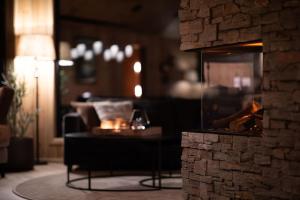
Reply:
x=117, y=123
x=255, y=107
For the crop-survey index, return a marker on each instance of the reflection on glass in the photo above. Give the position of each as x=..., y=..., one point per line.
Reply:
x=139, y=120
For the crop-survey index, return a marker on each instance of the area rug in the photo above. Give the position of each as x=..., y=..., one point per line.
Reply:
x=53, y=188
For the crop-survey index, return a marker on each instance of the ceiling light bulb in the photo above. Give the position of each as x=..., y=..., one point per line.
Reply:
x=97, y=47
x=137, y=67
x=107, y=55
x=128, y=50
x=88, y=55
x=138, y=91
x=74, y=53
x=120, y=56
x=81, y=49
x=114, y=50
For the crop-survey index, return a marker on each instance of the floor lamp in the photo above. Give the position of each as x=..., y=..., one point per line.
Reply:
x=40, y=48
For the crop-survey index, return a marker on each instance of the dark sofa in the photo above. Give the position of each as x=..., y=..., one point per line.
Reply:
x=174, y=115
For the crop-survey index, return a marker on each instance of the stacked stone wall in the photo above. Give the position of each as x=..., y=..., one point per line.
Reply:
x=208, y=23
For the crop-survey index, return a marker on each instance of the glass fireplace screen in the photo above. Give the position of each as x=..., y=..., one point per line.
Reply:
x=232, y=77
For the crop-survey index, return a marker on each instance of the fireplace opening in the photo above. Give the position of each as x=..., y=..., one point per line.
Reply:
x=233, y=78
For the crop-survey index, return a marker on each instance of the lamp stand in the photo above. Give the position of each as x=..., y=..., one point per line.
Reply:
x=37, y=132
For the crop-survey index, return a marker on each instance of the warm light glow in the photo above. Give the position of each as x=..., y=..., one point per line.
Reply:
x=33, y=17
x=88, y=55
x=114, y=50
x=65, y=63
x=81, y=49
x=118, y=123
x=120, y=56
x=107, y=55
x=97, y=47
x=37, y=46
x=137, y=67
x=74, y=53
x=138, y=91
x=256, y=44
x=255, y=107
x=128, y=50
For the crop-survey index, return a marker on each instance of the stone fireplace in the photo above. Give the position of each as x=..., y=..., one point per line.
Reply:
x=218, y=166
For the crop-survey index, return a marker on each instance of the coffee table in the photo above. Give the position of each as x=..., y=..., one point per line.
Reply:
x=87, y=148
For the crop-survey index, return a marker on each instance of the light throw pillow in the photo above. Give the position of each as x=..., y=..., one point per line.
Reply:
x=109, y=110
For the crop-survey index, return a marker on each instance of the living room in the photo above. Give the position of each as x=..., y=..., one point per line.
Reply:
x=173, y=99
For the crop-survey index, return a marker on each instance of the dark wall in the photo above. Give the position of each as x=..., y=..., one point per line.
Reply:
x=2, y=37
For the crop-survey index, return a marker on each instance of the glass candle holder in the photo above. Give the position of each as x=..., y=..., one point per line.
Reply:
x=139, y=120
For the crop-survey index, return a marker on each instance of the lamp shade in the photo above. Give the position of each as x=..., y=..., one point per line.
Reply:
x=38, y=46
x=33, y=16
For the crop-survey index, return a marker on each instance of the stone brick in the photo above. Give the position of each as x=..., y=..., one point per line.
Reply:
x=293, y=3
x=205, y=154
x=196, y=4
x=270, y=172
x=226, y=139
x=277, y=124
x=205, y=146
x=286, y=138
x=262, y=159
x=266, y=28
x=189, y=38
x=209, y=33
x=184, y=4
x=294, y=126
x=293, y=155
x=250, y=167
x=220, y=156
x=234, y=156
x=278, y=153
x=191, y=27
x=229, y=165
x=296, y=96
x=217, y=11
x=284, y=62
x=206, y=179
x=277, y=99
x=226, y=147
x=216, y=20
x=211, y=138
x=185, y=153
x=213, y=165
x=270, y=18
x=204, y=11
x=231, y=36
x=252, y=33
x=287, y=18
x=240, y=143
x=237, y=21
x=225, y=175
x=186, y=15
x=247, y=156
x=287, y=86
x=200, y=167
x=231, y=8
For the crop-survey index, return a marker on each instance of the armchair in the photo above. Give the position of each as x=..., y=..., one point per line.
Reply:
x=6, y=97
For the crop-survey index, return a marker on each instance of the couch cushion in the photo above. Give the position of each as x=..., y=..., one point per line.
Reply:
x=107, y=110
x=87, y=113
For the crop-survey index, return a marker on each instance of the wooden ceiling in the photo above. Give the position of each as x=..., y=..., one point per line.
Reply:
x=151, y=16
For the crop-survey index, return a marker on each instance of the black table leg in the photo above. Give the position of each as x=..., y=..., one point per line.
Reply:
x=89, y=179
x=159, y=165
x=69, y=170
